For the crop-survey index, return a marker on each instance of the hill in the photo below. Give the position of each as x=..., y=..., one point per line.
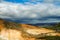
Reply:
x=16, y=31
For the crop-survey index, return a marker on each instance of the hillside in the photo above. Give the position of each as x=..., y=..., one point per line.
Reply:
x=16, y=31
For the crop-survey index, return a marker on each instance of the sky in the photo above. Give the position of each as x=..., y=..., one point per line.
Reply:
x=30, y=11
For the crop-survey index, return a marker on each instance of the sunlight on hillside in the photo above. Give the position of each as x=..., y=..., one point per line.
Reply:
x=14, y=31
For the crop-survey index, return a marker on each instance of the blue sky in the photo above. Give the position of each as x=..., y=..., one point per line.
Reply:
x=30, y=11
x=22, y=1
x=35, y=1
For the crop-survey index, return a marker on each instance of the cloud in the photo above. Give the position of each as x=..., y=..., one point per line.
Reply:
x=56, y=2
x=30, y=13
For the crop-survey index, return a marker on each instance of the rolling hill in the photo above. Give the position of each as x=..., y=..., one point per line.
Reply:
x=15, y=31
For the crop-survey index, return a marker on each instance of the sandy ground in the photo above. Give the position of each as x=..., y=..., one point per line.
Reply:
x=11, y=35
x=17, y=35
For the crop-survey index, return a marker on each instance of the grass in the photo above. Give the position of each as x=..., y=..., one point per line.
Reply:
x=50, y=38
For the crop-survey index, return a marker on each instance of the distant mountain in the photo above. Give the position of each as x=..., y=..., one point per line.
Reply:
x=37, y=24
x=44, y=24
